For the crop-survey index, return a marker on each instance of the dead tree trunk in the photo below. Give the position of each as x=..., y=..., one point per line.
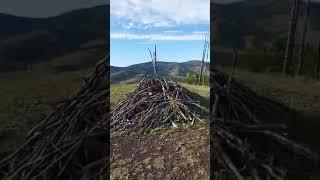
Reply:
x=317, y=72
x=200, y=74
x=234, y=64
x=291, y=37
x=213, y=29
x=303, y=41
x=201, y=69
x=205, y=65
x=204, y=55
x=154, y=60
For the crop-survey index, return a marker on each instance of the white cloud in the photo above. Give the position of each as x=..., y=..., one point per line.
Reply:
x=200, y=32
x=158, y=37
x=161, y=13
x=173, y=31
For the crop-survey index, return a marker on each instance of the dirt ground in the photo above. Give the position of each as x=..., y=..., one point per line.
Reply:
x=181, y=153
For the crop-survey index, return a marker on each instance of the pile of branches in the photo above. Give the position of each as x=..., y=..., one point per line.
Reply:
x=156, y=102
x=244, y=145
x=59, y=147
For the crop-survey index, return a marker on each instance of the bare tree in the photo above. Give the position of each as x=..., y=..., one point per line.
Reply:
x=291, y=36
x=204, y=55
x=213, y=30
x=154, y=60
x=234, y=64
x=205, y=65
x=317, y=71
x=303, y=41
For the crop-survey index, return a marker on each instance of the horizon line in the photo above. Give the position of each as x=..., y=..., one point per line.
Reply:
x=52, y=16
x=157, y=61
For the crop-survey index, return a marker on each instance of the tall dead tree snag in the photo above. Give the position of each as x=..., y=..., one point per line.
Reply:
x=154, y=60
x=203, y=61
x=213, y=30
x=303, y=41
x=317, y=71
x=291, y=37
x=234, y=64
x=205, y=65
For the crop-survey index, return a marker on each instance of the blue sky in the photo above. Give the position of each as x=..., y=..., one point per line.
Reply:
x=177, y=27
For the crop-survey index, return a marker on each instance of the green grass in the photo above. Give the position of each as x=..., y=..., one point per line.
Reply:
x=300, y=85
x=26, y=98
x=80, y=59
x=203, y=91
x=300, y=92
x=158, y=163
x=119, y=92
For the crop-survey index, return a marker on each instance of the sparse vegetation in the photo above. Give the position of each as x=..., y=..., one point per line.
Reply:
x=158, y=163
x=26, y=98
x=300, y=93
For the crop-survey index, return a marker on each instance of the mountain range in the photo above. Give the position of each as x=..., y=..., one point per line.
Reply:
x=266, y=19
x=79, y=38
x=37, y=40
x=170, y=70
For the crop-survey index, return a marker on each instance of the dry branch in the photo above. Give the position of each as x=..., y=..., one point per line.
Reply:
x=154, y=103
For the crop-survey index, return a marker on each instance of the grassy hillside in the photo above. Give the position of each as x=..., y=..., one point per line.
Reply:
x=300, y=94
x=42, y=62
x=268, y=19
x=26, y=41
x=26, y=98
x=259, y=29
x=170, y=70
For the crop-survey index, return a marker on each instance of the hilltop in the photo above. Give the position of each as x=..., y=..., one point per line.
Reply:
x=80, y=34
x=171, y=70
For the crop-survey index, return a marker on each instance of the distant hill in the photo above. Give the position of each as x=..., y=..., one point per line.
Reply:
x=77, y=21
x=267, y=19
x=171, y=70
x=37, y=40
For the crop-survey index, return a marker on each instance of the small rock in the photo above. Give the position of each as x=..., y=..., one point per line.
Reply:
x=148, y=167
